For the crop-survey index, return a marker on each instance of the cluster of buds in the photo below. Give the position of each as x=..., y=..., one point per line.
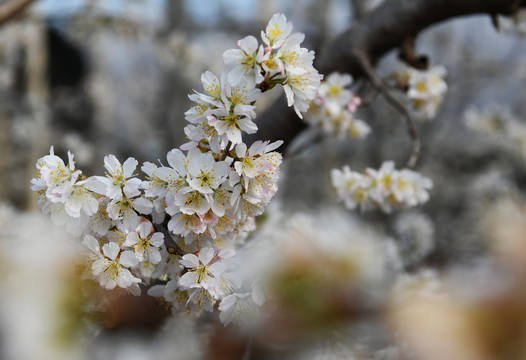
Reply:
x=334, y=108
x=425, y=89
x=178, y=227
x=386, y=188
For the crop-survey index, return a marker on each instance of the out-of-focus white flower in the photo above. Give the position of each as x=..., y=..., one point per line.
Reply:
x=500, y=124
x=424, y=283
x=229, y=283
x=386, y=188
x=343, y=124
x=304, y=263
x=334, y=107
x=427, y=83
x=426, y=91
x=415, y=233
x=237, y=308
x=352, y=187
x=59, y=216
x=333, y=90
x=490, y=120
x=172, y=293
x=200, y=300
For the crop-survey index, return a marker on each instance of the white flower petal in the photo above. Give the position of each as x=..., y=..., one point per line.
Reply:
x=128, y=259
x=129, y=167
x=189, y=261
x=111, y=250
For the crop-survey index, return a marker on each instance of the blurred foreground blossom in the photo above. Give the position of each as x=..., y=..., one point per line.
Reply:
x=485, y=320
x=36, y=263
x=318, y=271
x=415, y=233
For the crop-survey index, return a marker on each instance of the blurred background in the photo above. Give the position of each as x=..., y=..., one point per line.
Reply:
x=99, y=77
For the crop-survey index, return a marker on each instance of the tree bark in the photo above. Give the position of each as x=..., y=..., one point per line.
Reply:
x=11, y=9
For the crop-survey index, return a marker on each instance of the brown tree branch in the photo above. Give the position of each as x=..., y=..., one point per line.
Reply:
x=410, y=57
x=380, y=85
x=11, y=9
x=383, y=29
x=369, y=96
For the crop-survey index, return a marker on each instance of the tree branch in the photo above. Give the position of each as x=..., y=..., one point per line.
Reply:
x=383, y=29
x=380, y=85
x=410, y=57
x=11, y=9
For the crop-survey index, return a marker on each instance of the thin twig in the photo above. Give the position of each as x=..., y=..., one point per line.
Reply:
x=370, y=96
x=410, y=57
x=225, y=152
x=168, y=237
x=11, y=9
x=313, y=136
x=380, y=85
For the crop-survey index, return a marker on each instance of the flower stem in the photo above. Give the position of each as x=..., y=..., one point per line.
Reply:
x=225, y=152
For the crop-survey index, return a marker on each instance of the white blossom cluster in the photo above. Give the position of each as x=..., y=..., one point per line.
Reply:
x=386, y=188
x=498, y=122
x=334, y=107
x=425, y=89
x=279, y=60
x=178, y=228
